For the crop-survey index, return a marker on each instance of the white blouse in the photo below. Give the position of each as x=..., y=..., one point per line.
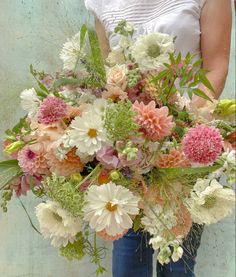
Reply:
x=180, y=18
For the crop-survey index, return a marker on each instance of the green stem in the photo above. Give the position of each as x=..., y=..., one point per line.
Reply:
x=93, y=172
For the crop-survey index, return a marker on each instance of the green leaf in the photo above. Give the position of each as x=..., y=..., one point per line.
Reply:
x=83, y=32
x=34, y=73
x=178, y=172
x=197, y=63
x=206, y=83
x=96, y=54
x=66, y=81
x=8, y=171
x=178, y=59
x=201, y=94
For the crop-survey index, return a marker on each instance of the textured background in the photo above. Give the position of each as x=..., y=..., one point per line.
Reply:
x=32, y=31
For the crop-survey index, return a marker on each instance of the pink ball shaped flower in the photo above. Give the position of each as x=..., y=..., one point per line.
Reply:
x=52, y=110
x=202, y=144
x=154, y=122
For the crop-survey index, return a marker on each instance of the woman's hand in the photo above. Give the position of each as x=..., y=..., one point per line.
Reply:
x=216, y=23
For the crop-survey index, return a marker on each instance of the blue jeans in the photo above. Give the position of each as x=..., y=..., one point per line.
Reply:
x=132, y=256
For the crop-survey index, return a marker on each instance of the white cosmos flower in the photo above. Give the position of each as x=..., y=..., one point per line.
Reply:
x=110, y=207
x=30, y=101
x=57, y=224
x=151, y=51
x=87, y=133
x=71, y=51
x=210, y=201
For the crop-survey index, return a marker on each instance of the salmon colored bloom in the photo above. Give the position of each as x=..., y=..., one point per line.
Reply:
x=155, y=123
x=70, y=165
x=103, y=234
x=184, y=222
x=175, y=158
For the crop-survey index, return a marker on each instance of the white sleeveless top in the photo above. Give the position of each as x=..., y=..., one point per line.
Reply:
x=179, y=18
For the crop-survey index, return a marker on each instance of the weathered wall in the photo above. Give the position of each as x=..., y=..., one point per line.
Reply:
x=32, y=31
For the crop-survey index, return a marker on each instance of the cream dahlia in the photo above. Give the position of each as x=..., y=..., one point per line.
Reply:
x=151, y=51
x=154, y=123
x=109, y=208
x=202, y=144
x=210, y=201
x=87, y=133
x=57, y=224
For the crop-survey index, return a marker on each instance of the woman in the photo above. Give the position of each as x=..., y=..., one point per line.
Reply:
x=199, y=26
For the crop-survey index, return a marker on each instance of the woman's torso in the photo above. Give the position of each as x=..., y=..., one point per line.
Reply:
x=180, y=18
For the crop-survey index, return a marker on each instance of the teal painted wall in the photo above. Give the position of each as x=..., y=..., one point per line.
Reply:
x=32, y=31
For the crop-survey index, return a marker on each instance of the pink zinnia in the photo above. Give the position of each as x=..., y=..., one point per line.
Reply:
x=52, y=110
x=154, y=122
x=32, y=160
x=202, y=144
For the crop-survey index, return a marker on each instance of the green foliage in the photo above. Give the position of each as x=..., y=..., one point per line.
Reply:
x=123, y=29
x=43, y=92
x=9, y=170
x=6, y=196
x=74, y=250
x=22, y=128
x=119, y=121
x=188, y=74
x=63, y=191
x=133, y=76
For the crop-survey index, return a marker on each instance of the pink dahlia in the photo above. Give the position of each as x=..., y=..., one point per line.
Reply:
x=52, y=110
x=202, y=144
x=155, y=122
x=32, y=160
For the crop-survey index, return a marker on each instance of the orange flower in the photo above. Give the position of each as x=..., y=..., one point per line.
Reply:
x=70, y=165
x=184, y=222
x=175, y=158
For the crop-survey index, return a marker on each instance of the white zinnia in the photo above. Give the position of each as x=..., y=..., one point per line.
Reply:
x=71, y=51
x=151, y=51
x=30, y=101
x=110, y=207
x=88, y=133
x=57, y=224
x=210, y=201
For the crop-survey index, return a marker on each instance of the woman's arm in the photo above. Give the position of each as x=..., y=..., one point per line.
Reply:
x=102, y=37
x=216, y=23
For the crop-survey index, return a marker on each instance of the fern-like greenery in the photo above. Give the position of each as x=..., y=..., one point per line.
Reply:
x=63, y=191
x=74, y=250
x=120, y=121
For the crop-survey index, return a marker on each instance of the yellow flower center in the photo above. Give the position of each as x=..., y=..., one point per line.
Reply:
x=154, y=51
x=111, y=207
x=210, y=202
x=92, y=133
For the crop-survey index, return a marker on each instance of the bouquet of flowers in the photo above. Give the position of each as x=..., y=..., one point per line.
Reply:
x=115, y=144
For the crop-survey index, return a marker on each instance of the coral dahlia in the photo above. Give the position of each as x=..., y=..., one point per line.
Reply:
x=202, y=144
x=175, y=158
x=155, y=123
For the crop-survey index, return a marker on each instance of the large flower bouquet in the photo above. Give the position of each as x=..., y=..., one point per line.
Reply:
x=112, y=145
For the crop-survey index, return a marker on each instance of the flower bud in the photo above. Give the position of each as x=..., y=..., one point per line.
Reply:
x=14, y=146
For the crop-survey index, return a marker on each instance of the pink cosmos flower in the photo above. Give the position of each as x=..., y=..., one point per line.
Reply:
x=52, y=110
x=154, y=122
x=107, y=156
x=202, y=144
